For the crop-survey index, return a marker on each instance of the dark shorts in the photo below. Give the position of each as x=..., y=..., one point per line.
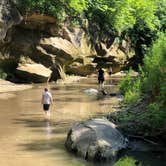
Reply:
x=46, y=107
x=100, y=80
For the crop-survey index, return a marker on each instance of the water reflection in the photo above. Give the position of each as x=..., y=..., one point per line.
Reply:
x=27, y=138
x=48, y=130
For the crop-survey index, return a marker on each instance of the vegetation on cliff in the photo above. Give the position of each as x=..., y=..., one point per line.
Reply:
x=136, y=21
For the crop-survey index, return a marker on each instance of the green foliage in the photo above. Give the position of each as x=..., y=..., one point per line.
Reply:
x=153, y=76
x=130, y=87
x=57, y=8
x=127, y=161
x=156, y=116
x=126, y=83
x=152, y=84
x=132, y=97
x=154, y=70
x=78, y=5
x=54, y=8
x=3, y=75
x=118, y=14
x=161, y=13
x=123, y=14
x=153, y=119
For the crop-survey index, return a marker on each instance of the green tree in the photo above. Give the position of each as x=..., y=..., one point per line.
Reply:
x=124, y=14
x=152, y=79
x=161, y=14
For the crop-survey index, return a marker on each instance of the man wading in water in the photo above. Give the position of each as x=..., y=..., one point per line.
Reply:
x=101, y=78
x=46, y=101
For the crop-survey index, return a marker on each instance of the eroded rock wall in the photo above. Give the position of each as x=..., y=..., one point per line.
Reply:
x=38, y=39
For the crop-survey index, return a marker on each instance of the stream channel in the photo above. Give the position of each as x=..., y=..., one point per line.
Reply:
x=28, y=139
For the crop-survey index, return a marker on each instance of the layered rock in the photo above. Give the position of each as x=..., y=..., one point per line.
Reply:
x=9, y=16
x=115, y=55
x=33, y=73
x=39, y=38
x=96, y=139
x=61, y=48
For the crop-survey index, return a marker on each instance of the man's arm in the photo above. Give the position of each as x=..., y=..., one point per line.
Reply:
x=51, y=98
x=42, y=99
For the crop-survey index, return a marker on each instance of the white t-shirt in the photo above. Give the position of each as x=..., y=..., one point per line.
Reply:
x=47, y=97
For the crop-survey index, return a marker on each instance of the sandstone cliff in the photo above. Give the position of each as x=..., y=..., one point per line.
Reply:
x=64, y=49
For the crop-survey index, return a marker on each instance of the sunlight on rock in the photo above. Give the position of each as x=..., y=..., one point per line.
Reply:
x=91, y=91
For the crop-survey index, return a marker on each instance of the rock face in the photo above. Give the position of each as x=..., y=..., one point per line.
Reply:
x=63, y=48
x=33, y=73
x=9, y=16
x=96, y=139
x=39, y=39
x=115, y=55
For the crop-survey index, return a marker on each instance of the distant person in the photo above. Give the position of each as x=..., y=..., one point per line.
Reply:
x=47, y=100
x=101, y=77
x=110, y=71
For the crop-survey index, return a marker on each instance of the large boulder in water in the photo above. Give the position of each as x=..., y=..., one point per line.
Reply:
x=96, y=139
x=33, y=73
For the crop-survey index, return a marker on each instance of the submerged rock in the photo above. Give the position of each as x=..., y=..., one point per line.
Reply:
x=91, y=91
x=96, y=139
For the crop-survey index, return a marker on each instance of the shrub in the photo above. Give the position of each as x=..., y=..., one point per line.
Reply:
x=3, y=75
x=151, y=85
x=127, y=161
x=152, y=80
x=130, y=87
x=155, y=66
x=126, y=83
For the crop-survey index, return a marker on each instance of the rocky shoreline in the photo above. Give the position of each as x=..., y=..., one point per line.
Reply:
x=7, y=87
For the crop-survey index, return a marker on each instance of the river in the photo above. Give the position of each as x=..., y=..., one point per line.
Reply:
x=28, y=139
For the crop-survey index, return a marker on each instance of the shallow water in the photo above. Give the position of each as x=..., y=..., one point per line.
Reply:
x=28, y=139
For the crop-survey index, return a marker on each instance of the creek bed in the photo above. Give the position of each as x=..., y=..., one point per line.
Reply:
x=28, y=139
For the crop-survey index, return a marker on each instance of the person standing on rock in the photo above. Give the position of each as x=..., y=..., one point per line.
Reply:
x=101, y=78
x=110, y=71
x=47, y=100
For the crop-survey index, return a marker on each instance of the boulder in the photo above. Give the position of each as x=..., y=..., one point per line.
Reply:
x=116, y=55
x=9, y=16
x=62, y=48
x=91, y=91
x=77, y=68
x=33, y=73
x=96, y=139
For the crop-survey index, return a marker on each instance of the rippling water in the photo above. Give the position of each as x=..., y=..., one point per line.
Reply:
x=28, y=139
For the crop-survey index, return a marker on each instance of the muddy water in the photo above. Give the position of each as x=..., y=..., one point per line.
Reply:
x=28, y=139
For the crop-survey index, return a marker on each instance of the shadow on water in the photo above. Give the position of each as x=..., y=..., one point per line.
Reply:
x=40, y=123
x=43, y=145
x=50, y=134
x=51, y=140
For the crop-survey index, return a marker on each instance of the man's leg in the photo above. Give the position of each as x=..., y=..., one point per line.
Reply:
x=102, y=84
x=48, y=113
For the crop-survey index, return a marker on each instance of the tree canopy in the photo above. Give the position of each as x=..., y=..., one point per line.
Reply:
x=118, y=14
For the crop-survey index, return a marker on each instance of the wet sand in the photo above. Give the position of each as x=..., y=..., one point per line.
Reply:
x=6, y=89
